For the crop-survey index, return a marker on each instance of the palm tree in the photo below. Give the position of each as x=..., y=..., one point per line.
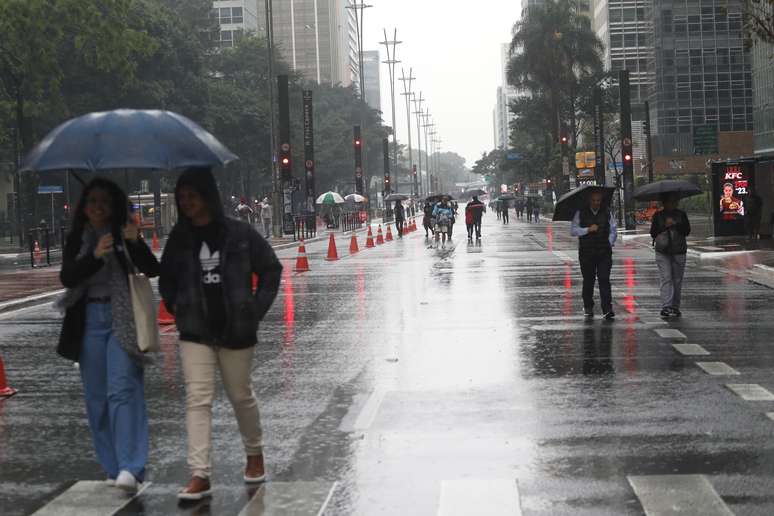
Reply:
x=552, y=50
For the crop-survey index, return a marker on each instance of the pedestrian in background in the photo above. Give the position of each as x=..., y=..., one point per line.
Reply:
x=443, y=216
x=499, y=209
x=400, y=217
x=217, y=315
x=478, y=208
x=506, y=215
x=529, y=208
x=536, y=211
x=753, y=209
x=669, y=229
x=594, y=225
x=99, y=332
x=266, y=216
x=427, y=219
x=469, y=220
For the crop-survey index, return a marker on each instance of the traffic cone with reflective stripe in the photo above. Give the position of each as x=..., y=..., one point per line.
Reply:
x=155, y=243
x=333, y=255
x=353, y=247
x=302, y=263
x=165, y=318
x=413, y=224
x=389, y=233
x=5, y=390
x=379, y=236
x=38, y=256
x=370, y=239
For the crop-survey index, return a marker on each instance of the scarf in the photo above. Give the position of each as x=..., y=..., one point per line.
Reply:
x=120, y=298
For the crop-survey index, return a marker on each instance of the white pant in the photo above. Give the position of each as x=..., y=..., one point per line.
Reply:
x=199, y=363
x=671, y=269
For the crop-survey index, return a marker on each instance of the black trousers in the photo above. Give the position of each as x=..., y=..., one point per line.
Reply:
x=595, y=265
x=399, y=227
x=477, y=226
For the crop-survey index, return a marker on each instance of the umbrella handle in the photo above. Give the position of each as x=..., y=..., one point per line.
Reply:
x=76, y=176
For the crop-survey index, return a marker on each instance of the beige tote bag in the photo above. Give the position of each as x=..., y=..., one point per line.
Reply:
x=144, y=310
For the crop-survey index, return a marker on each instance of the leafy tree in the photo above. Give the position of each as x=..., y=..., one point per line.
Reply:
x=759, y=21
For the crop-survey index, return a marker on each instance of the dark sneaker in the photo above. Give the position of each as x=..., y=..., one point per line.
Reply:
x=676, y=312
x=609, y=316
x=666, y=313
x=589, y=314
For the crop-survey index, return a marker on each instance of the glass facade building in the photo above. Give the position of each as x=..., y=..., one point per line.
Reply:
x=701, y=72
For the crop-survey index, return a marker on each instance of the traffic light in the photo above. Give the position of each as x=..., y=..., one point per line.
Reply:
x=286, y=164
x=563, y=140
x=627, y=156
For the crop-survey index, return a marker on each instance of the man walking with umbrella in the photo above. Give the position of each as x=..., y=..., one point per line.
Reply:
x=595, y=227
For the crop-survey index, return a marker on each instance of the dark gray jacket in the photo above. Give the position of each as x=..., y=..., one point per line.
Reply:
x=244, y=252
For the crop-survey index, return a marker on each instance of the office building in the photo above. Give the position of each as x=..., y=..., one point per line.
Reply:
x=505, y=95
x=763, y=100
x=316, y=38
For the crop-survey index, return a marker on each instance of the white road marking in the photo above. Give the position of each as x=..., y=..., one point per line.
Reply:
x=290, y=499
x=717, y=368
x=670, y=333
x=684, y=495
x=563, y=256
x=690, y=349
x=89, y=498
x=30, y=299
x=16, y=311
x=480, y=496
x=770, y=415
x=361, y=414
x=751, y=391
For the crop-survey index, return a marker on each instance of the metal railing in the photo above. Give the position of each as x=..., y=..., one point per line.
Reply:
x=352, y=221
x=304, y=226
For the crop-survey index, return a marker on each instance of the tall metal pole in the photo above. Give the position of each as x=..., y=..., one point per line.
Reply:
x=391, y=62
x=407, y=93
x=648, y=147
x=427, y=125
x=626, y=148
x=276, y=199
x=359, y=9
x=418, y=106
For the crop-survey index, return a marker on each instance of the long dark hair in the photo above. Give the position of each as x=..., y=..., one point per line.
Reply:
x=119, y=207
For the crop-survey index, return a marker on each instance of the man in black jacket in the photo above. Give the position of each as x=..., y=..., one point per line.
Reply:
x=478, y=209
x=206, y=281
x=596, y=231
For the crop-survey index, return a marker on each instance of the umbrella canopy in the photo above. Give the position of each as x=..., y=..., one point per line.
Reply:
x=330, y=198
x=127, y=138
x=438, y=197
x=654, y=191
x=576, y=199
x=353, y=197
x=396, y=197
x=506, y=197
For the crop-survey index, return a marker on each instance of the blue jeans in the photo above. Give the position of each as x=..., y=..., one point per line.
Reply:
x=115, y=401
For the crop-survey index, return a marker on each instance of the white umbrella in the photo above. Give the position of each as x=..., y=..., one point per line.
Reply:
x=353, y=197
x=330, y=198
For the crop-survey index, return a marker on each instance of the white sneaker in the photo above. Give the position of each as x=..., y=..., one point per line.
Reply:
x=126, y=481
x=110, y=482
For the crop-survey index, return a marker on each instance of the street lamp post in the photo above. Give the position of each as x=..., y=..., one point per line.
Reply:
x=275, y=182
x=407, y=93
x=418, y=107
x=428, y=125
x=390, y=46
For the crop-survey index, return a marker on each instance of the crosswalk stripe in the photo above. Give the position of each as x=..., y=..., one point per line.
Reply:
x=717, y=368
x=690, y=349
x=480, y=496
x=770, y=415
x=366, y=413
x=290, y=499
x=670, y=333
x=89, y=498
x=751, y=391
x=684, y=495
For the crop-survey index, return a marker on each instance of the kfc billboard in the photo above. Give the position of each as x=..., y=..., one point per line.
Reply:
x=731, y=183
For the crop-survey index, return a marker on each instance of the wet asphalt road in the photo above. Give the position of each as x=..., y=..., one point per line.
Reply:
x=407, y=380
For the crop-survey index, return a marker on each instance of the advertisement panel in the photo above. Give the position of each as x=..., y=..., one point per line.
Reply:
x=731, y=184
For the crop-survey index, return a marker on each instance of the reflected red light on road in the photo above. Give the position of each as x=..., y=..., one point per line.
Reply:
x=567, y=308
x=550, y=236
x=630, y=272
x=290, y=307
x=630, y=350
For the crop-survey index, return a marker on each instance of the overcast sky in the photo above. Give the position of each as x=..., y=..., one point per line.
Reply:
x=453, y=47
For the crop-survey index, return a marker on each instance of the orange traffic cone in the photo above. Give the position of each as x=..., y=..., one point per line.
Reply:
x=379, y=236
x=36, y=251
x=302, y=263
x=413, y=224
x=370, y=239
x=5, y=390
x=389, y=233
x=353, y=247
x=333, y=255
x=155, y=243
x=165, y=318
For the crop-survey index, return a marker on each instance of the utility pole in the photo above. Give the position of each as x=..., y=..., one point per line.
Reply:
x=274, y=170
x=407, y=93
x=648, y=147
x=390, y=46
x=427, y=125
x=626, y=149
x=359, y=9
x=418, y=107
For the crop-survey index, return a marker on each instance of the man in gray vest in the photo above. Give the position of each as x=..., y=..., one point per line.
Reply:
x=596, y=231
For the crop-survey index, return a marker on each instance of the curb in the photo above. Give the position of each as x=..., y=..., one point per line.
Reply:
x=37, y=299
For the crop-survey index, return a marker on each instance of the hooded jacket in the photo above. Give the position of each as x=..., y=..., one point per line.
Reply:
x=244, y=252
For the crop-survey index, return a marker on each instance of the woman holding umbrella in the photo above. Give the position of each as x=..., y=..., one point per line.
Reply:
x=99, y=332
x=669, y=228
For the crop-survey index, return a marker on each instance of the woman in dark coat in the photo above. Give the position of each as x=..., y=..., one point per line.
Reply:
x=98, y=330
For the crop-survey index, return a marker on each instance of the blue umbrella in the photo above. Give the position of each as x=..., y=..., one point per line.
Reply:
x=127, y=138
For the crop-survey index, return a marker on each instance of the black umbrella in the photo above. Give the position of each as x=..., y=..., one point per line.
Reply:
x=396, y=197
x=475, y=192
x=654, y=191
x=125, y=139
x=438, y=197
x=506, y=197
x=574, y=200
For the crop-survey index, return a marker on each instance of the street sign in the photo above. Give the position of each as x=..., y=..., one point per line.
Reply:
x=618, y=165
x=565, y=165
x=50, y=189
x=513, y=156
